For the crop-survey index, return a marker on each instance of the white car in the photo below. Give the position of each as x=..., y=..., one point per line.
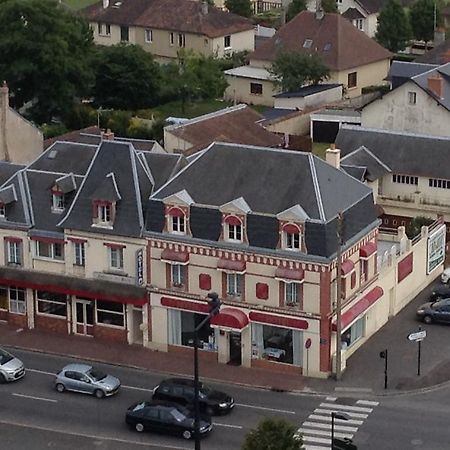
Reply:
x=445, y=275
x=11, y=368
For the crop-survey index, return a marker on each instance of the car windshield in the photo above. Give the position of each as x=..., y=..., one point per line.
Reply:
x=139, y=406
x=96, y=374
x=179, y=417
x=5, y=357
x=205, y=390
x=440, y=304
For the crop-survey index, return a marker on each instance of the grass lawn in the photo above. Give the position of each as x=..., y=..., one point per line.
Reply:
x=173, y=109
x=79, y=4
x=319, y=148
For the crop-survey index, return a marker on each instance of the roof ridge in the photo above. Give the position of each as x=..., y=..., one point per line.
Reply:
x=316, y=185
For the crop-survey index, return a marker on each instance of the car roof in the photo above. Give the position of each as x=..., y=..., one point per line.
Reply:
x=181, y=381
x=77, y=367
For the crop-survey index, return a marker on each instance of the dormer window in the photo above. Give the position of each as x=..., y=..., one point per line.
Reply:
x=177, y=221
x=103, y=213
x=58, y=201
x=233, y=229
x=291, y=237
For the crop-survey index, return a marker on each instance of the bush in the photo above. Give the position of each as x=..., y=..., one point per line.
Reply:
x=53, y=129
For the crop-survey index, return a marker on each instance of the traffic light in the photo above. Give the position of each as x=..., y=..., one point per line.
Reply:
x=214, y=303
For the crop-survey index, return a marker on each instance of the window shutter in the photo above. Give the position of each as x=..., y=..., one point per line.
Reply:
x=204, y=281
x=262, y=291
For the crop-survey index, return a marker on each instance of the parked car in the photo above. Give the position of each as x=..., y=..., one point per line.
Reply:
x=165, y=417
x=86, y=379
x=435, y=311
x=11, y=368
x=440, y=292
x=445, y=275
x=181, y=391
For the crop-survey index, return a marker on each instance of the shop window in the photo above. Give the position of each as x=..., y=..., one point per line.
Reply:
x=17, y=303
x=3, y=298
x=262, y=291
x=79, y=249
x=204, y=281
x=351, y=80
x=277, y=344
x=110, y=313
x=52, y=250
x=177, y=275
x=234, y=284
x=116, y=258
x=14, y=252
x=51, y=303
x=256, y=88
x=354, y=333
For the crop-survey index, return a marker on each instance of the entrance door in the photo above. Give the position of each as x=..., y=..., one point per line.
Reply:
x=84, y=317
x=137, y=336
x=235, y=349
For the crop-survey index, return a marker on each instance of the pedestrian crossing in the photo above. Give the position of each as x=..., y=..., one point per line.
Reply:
x=316, y=429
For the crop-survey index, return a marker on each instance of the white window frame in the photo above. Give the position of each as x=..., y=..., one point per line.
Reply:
x=52, y=250
x=16, y=304
x=2, y=210
x=177, y=275
x=104, y=213
x=116, y=258
x=291, y=293
x=148, y=36
x=79, y=253
x=108, y=311
x=234, y=284
x=14, y=252
x=178, y=224
x=234, y=233
x=181, y=40
x=58, y=201
x=47, y=301
x=292, y=241
x=359, y=24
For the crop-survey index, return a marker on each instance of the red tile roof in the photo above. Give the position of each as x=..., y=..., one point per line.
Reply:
x=183, y=16
x=333, y=37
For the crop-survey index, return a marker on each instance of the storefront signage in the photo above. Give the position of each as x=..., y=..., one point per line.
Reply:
x=436, y=249
x=140, y=267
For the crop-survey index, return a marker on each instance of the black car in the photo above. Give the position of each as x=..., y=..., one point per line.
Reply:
x=181, y=391
x=164, y=417
x=435, y=311
x=440, y=292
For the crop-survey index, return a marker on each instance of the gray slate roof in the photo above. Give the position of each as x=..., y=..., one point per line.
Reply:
x=307, y=90
x=404, y=153
x=362, y=157
x=163, y=165
x=7, y=170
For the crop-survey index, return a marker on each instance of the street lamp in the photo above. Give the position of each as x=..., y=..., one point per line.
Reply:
x=214, y=308
x=336, y=415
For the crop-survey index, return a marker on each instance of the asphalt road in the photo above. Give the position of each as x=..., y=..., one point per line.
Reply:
x=33, y=415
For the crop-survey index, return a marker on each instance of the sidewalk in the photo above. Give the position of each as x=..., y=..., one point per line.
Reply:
x=364, y=373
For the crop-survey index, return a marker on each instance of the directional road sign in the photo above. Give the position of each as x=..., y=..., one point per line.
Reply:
x=417, y=336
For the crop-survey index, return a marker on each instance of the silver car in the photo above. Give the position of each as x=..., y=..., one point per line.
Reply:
x=11, y=368
x=86, y=379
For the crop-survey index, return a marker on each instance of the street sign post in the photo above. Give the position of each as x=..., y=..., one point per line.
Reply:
x=307, y=346
x=418, y=336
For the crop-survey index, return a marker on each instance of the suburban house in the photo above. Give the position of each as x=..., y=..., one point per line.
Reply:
x=237, y=124
x=408, y=172
x=420, y=105
x=20, y=141
x=438, y=55
x=163, y=27
x=354, y=59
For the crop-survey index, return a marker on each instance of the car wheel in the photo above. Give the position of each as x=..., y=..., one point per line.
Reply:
x=99, y=393
x=187, y=434
x=2, y=378
x=139, y=427
x=427, y=319
x=60, y=387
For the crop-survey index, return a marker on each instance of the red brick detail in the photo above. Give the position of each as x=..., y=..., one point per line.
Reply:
x=405, y=267
x=12, y=239
x=114, y=245
x=262, y=291
x=277, y=367
x=368, y=250
x=3, y=315
x=168, y=276
x=17, y=320
x=325, y=324
x=110, y=334
x=224, y=285
x=282, y=321
x=202, y=308
x=204, y=281
x=291, y=228
x=54, y=325
x=175, y=212
x=232, y=220
x=281, y=294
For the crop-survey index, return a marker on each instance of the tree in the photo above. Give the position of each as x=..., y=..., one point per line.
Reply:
x=240, y=7
x=415, y=225
x=329, y=6
x=394, y=28
x=45, y=56
x=273, y=434
x=295, y=7
x=127, y=77
x=294, y=69
x=422, y=17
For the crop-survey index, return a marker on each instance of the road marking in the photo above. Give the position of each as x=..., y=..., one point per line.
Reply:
x=40, y=371
x=350, y=414
x=134, y=388
x=327, y=426
x=316, y=439
x=285, y=411
x=331, y=399
x=35, y=398
x=226, y=425
x=346, y=408
x=367, y=403
x=313, y=447
x=96, y=437
x=324, y=433
x=328, y=419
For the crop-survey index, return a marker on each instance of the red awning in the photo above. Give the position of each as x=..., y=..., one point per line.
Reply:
x=230, y=318
x=231, y=265
x=347, y=266
x=172, y=256
x=367, y=250
x=281, y=321
x=202, y=308
x=359, y=307
x=283, y=273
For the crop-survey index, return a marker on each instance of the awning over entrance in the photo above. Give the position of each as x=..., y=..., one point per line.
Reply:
x=347, y=266
x=231, y=318
x=95, y=289
x=231, y=265
x=197, y=307
x=174, y=257
x=289, y=275
x=281, y=321
x=359, y=307
x=369, y=249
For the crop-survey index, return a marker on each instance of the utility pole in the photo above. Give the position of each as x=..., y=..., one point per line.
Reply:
x=338, y=297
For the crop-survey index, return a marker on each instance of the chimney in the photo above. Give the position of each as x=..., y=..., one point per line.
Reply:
x=319, y=10
x=333, y=156
x=204, y=8
x=107, y=135
x=105, y=4
x=439, y=36
x=436, y=85
x=4, y=106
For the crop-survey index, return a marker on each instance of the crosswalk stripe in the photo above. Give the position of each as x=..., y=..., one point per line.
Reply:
x=331, y=399
x=307, y=431
x=367, y=402
x=315, y=447
x=346, y=407
x=318, y=440
x=328, y=426
x=351, y=414
x=336, y=421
